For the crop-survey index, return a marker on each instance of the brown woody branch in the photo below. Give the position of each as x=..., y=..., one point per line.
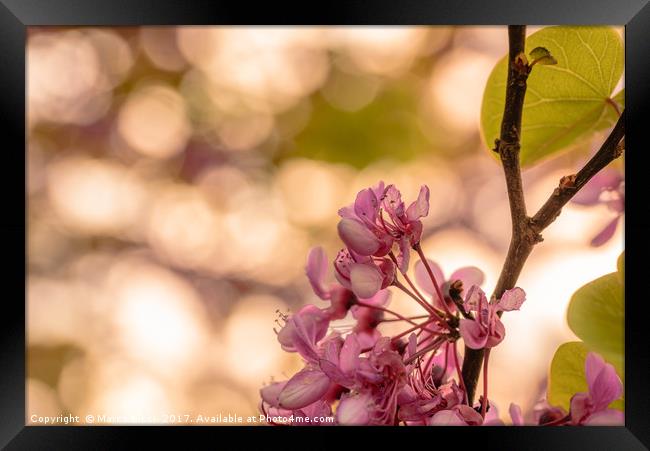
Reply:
x=525, y=230
x=507, y=146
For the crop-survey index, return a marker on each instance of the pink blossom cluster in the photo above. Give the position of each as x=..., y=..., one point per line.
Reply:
x=362, y=377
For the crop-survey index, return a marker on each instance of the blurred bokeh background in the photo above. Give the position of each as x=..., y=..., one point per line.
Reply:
x=178, y=176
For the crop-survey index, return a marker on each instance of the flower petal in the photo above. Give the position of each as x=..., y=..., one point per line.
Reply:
x=303, y=330
x=515, y=415
x=475, y=296
x=608, y=417
x=271, y=392
x=404, y=254
x=379, y=299
x=606, y=234
x=511, y=299
x=422, y=276
x=420, y=207
x=580, y=407
x=316, y=270
x=354, y=410
x=446, y=418
x=497, y=333
x=471, y=416
x=349, y=358
x=365, y=279
x=469, y=275
x=357, y=237
x=473, y=334
x=304, y=388
x=594, y=364
x=392, y=201
x=335, y=374
x=316, y=412
x=605, y=388
x=366, y=205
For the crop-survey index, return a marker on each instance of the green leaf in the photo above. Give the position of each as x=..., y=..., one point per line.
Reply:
x=620, y=266
x=541, y=55
x=565, y=103
x=567, y=375
x=595, y=314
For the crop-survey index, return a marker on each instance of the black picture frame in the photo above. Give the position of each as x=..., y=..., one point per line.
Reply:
x=16, y=15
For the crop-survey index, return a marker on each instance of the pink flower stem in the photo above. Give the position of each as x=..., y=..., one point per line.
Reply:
x=460, y=375
x=435, y=345
x=418, y=248
x=403, y=318
x=408, y=317
x=401, y=286
x=485, y=382
x=419, y=326
x=430, y=307
x=426, y=366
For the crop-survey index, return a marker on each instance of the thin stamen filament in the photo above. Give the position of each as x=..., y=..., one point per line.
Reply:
x=408, y=317
x=460, y=374
x=402, y=318
x=419, y=326
x=436, y=344
x=418, y=248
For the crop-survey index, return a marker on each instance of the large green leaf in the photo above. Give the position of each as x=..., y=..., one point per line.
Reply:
x=567, y=102
x=596, y=315
x=567, y=375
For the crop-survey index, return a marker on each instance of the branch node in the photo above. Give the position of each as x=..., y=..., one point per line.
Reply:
x=567, y=184
x=620, y=147
x=532, y=235
x=496, y=145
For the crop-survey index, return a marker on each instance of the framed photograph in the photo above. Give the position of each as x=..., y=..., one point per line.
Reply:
x=393, y=219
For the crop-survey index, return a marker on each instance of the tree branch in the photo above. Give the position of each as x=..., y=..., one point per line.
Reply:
x=526, y=232
x=507, y=146
x=569, y=185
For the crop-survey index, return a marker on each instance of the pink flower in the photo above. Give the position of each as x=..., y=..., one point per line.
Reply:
x=515, y=415
x=605, y=386
x=544, y=413
x=605, y=188
x=459, y=415
x=406, y=226
x=419, y=401
x=328, y=363
x=365, y=230
x=359, y=227
x=341, y=298
x=380, y=378
x=277, y=400
x=363, y=275
x=468, y=275
x=303, y=331
x=486, y=329
x=341, y=361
